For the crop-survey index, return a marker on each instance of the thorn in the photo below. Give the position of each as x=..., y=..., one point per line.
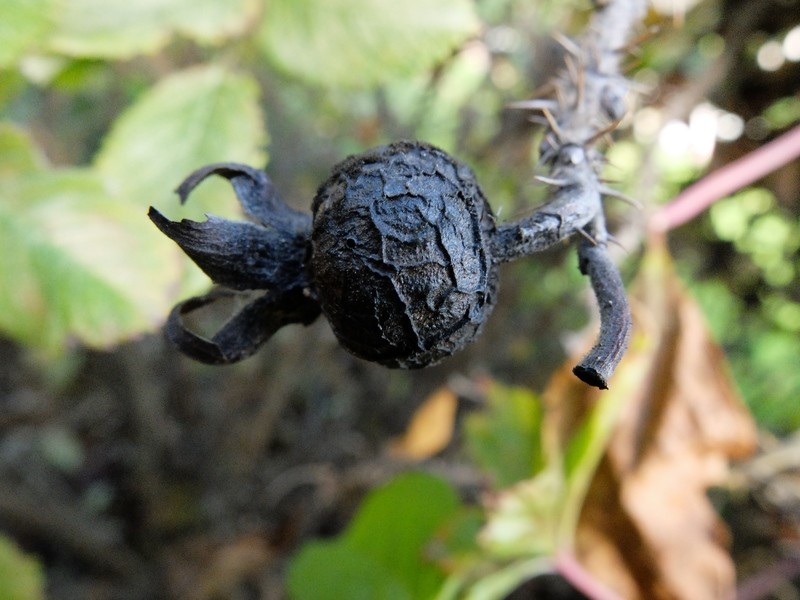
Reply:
x=617, y=243
x=538, y=120
x=532, y=104
x=572, y=68
x=632, y=65
x=551, y=150
x=607, y=191
x=645, y=36
x=577, y=76
x=567, y=43
x=552, y=181
x=586, y=234
x=561, y=98
x=553, y=124
x=581, y=86
x=603, y=132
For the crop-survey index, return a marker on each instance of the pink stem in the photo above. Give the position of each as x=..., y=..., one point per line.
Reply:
x=571, y=570
x=733, y=176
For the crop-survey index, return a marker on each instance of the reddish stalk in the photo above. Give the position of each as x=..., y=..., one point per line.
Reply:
x=571, y=570
x=734, y=176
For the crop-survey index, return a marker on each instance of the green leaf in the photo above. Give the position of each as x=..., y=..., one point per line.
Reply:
x=77, y=265
x=22, y=26
x=441, y=122
x=332, y=571
x=21, y=576
x=189, y=119
x=395, y=522
x=117, y=29
x=17, y=153
x=384, y=547
x=505, y=438
x=358, y=44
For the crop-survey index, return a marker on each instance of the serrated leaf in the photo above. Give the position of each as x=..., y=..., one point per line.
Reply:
x=358, y=44
x=116, y=29
x=21, y=576
x=188, y=120
x=22, y=26
x=77, y=265
x=390, y=533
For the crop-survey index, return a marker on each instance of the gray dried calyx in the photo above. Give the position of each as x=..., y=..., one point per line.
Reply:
x=401, y=256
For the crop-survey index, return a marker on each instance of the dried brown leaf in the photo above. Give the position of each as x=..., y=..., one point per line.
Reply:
x=430, y=429
x=647, y=528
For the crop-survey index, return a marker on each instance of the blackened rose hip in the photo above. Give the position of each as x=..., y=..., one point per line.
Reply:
x=400, y=254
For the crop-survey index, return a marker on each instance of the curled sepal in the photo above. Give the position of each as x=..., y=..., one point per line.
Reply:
x=244, y=334
x=237, y=254
x=256, y=193
x=269, y=254
x=615, y=316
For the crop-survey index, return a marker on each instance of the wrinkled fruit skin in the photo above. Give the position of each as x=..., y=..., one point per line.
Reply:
x=400, y=258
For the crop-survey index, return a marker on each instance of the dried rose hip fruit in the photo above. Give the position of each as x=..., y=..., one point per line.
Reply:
x=400, y=254
x=397, y=257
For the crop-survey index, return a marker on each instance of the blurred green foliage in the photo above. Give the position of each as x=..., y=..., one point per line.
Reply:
x=759, y=328
x=21, y=576
x=385, y=552
x=505, y=438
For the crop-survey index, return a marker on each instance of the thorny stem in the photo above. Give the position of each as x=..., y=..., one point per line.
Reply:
x=590, y=101
x=573, y=205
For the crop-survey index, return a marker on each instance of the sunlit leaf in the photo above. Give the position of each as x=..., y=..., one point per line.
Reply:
x=121, y=28
x=22, y=25
x=21, y=576
x=189, y=119
x=76, y=265
x=358, y=44
x=383, y=552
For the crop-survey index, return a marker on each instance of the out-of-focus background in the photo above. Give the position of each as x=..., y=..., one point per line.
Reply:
x=129, y=472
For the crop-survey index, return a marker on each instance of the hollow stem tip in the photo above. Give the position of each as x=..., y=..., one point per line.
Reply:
x=599, y=364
